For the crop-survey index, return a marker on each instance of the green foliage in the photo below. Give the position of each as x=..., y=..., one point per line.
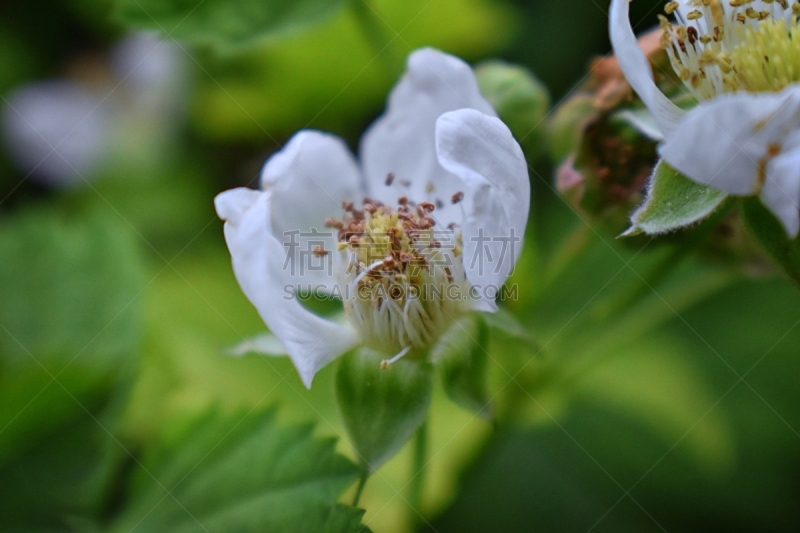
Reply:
x=673, y=202
x=772, y=236
x=69, y=333
x=237, y=474
x=667, y=418
x=225, y=25
x=462, y=356
x=382, y=408
x=307, y=81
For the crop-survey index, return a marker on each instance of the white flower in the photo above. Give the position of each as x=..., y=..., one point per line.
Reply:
x=741, y=59
x=446, y=197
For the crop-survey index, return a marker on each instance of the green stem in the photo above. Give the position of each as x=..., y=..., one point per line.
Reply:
x=419, y=467
x=664, y=268
x=572, y=248
x=362, y=480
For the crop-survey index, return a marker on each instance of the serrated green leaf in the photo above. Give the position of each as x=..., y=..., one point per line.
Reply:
x=772, y=235
x=673, y=202
x=224, y=24
x=238, y=474
x=382, y=408
x=462, y=357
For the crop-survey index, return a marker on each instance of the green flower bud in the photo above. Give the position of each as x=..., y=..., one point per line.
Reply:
x=520, y=99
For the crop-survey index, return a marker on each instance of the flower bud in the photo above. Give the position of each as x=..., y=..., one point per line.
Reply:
x=605, y=156
x=520, y=99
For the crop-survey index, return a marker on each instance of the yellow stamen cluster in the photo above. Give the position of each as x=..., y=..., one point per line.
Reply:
x=400, y=270
x=723, y=46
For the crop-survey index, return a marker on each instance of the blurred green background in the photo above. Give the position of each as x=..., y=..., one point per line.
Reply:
x=676, y=411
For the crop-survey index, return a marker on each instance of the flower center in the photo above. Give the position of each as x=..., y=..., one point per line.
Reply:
x=403, y=275
x=725, y=46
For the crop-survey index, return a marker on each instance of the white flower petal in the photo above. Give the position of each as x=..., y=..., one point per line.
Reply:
x=726, y=142
x=402, y=141
x=481, y=151
x=309, y=179
x=637, y=69
x=258, y=258
x=781, y=192
x=642, y=121
x=264, y=344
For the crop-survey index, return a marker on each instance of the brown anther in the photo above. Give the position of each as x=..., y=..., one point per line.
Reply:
x=436, y=244
x=354, y=241
x=370, y=208
x=403, y=215
x=406, y=257
x=403, y=200
x=457, y=197
x=427, y=206
x=426, y=223
x=389, y=179
x=692, y=34
x=332, y=223
x=395, y=293
x=319, y=251
x=348, y=205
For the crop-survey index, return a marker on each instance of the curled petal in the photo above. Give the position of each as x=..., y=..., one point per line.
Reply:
x=402, y=141
x=637, y=69
x=308, y=180
x=481, y=151
x=781, y=192
x=727, y=142
x=258, y=263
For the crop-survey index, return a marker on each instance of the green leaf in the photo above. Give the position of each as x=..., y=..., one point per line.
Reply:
x=673, y=202
x=772, y=236
x=69, y=335
x=382, y=408
x=232, y=474
x=224, y=24
x=462, y=355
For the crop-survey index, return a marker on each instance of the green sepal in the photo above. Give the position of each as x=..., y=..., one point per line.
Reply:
x=382, y=407
x=771, y=234
x=673, y=202
x=226, y=26
x=463, y=359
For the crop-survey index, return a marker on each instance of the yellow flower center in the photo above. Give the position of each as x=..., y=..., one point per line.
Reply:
x=725, y=46
x=404, y=276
